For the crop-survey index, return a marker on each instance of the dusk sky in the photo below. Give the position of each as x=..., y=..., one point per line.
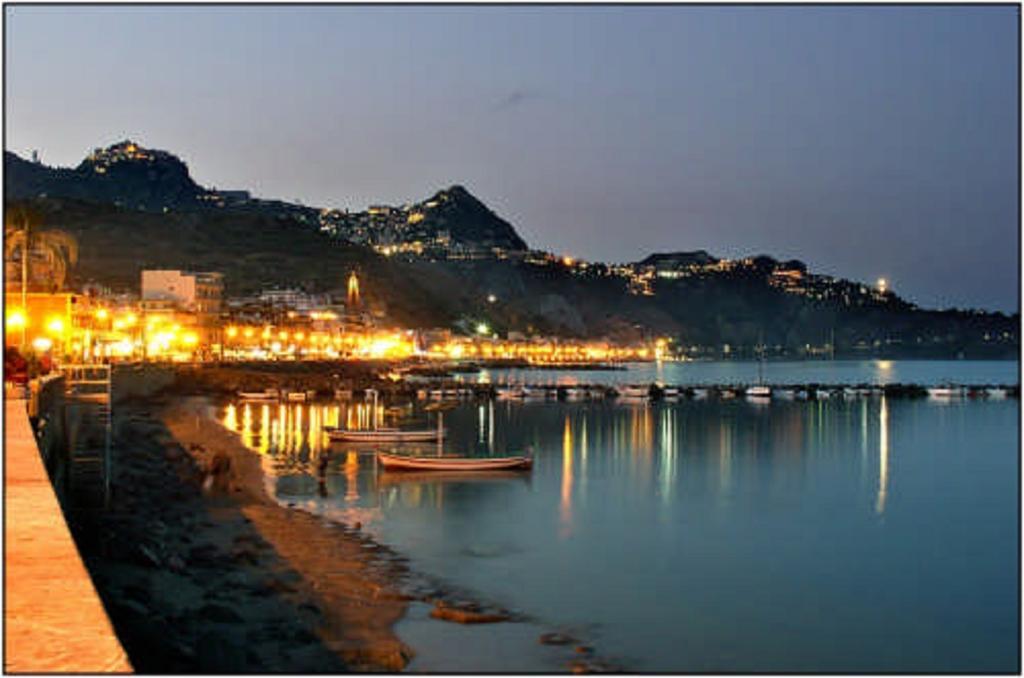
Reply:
x=868, y=141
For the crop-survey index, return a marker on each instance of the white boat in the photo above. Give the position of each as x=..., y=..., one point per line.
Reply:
x=700, y=393
x=823, y=394
x=784, y=393
x=573, y=393
x=634, y=392
x=395, y=462
x=670, y=393
x=995, y=393
x=945, y=392
x=726, y=394
x=510, y=393
x=266, y=395
x=386, y=435
x=761, y=390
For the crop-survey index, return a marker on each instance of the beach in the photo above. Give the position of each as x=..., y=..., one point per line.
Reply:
x=220, y=578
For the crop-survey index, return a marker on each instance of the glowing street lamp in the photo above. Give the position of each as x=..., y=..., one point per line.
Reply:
x=883, y=285
x=482, y=328
x=16, y=320
x=55, y=326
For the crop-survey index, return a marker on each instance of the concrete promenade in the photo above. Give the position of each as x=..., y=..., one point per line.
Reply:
x=54, y=621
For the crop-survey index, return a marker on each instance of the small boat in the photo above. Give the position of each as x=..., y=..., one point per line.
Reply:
x=700, y=393
x=945, y=392
x=784, y=393
x=266, y=395
x=573, y=393
x=761, y=390
x=634, y=392
x=510, y=393
x=995, y=393
x=389, y=434
x=386, y=435
x=395, y=462
x=299, y=396
x=343, y=394
x=398, y=476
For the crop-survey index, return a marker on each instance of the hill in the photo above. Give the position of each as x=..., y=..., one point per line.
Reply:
x=450, y=261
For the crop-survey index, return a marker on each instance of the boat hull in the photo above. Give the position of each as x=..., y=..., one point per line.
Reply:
x=393, y=462
x=379, y=436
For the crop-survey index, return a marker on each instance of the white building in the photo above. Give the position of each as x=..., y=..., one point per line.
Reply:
x=193, y=291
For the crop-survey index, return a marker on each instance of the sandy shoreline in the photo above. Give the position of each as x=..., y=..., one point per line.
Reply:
x=224, y=579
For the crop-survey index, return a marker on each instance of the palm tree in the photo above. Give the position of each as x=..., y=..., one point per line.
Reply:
x=57, y=249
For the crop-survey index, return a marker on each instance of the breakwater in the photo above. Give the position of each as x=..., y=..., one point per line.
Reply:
x=353, y=380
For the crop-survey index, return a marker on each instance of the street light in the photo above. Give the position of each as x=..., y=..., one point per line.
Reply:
x=55, y=326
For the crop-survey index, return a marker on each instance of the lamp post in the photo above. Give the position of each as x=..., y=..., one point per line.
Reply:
x=24, y=282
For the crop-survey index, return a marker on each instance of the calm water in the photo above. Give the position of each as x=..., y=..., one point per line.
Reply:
x=925, y=372
x=861, y=535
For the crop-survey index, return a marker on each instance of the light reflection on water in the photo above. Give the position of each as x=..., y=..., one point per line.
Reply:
x=703, y=535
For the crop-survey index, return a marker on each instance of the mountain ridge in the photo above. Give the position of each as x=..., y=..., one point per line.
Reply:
x=694, y=297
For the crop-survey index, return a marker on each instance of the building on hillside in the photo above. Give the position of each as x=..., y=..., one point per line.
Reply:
x=201, y=292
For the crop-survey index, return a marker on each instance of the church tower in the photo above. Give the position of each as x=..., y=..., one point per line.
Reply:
x=353, y=291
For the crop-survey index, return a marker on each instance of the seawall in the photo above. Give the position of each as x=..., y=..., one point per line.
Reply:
x=54, y=621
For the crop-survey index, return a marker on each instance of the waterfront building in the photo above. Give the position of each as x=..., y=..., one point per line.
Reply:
x=201, y=292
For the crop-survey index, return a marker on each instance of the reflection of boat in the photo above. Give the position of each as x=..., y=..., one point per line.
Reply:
x=386, y=435
x=448, y=476
x=404, y=463
x=266, y=394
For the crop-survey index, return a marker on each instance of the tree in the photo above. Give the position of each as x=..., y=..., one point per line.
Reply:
x=50, y=253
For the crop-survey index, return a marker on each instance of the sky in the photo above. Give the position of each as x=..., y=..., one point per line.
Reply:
x=867, y=141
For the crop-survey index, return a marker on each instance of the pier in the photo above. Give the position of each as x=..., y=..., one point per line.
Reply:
x=54, y=620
